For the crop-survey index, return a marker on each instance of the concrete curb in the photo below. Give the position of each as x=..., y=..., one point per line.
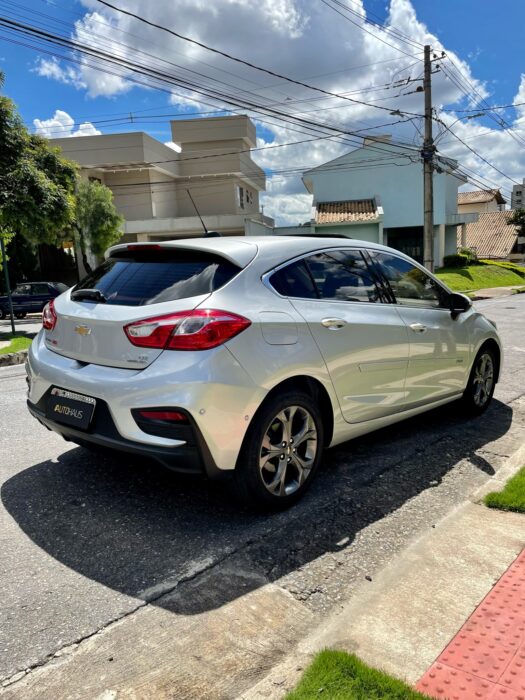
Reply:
x=402, y=620
x=13, y=358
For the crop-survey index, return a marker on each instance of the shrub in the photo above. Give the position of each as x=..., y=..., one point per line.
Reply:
x=471, y=255
x=456, y=260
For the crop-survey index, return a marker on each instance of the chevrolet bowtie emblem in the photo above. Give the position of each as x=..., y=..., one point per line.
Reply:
x=83, y=330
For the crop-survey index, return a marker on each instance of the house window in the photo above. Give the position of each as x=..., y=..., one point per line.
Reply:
x=240, y=197
x=249, y=197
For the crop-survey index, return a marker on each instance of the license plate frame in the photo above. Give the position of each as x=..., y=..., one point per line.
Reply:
x=70, y=408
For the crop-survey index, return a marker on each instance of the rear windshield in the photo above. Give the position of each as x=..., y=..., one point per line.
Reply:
x=152, y=277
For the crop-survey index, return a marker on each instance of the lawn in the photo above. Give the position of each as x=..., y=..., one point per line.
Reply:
x=512, y=497
x=335, y=675
x=18, y=342
x=468, y=279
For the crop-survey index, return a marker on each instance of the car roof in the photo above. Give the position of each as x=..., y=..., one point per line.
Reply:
x=241, y=250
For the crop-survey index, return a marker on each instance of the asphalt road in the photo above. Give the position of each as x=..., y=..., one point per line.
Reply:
x=86, y=540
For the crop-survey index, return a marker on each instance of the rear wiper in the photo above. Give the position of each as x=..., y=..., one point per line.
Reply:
x=89, y=295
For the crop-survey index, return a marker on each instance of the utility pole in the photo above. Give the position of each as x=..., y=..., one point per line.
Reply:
x=7, y=285
x=428, y=168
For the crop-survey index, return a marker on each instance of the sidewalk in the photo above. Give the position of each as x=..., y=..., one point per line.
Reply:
x=495, y=292
x=406, y=620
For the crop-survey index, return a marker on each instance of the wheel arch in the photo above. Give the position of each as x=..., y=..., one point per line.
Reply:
x=317, y=390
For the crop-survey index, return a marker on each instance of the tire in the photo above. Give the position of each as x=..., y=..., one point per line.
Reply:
x=259, y=479
x=20, y=315
x=482, y=382
x=3, y=313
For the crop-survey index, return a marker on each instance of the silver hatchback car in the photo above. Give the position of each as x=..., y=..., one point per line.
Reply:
x=248, y=357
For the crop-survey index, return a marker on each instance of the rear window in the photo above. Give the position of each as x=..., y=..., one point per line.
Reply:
x=152, y=277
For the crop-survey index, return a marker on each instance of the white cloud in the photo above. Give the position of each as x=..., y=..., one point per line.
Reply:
x=51, y=68
x=311, y=43
x=62, y=125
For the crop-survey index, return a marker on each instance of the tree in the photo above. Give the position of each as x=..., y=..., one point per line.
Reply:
x=518, y=219
x=97, y=222
x=37, y=185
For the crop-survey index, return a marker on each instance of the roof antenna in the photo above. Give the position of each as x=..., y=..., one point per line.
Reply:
x=207, y=234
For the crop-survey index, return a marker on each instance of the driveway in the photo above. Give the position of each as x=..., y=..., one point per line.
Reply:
x=87, y=540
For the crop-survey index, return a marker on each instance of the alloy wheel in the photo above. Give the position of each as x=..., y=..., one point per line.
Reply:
x=288, y=451
x=483, y=380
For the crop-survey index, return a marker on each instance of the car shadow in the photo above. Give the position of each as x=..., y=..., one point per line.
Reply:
x=142, y=530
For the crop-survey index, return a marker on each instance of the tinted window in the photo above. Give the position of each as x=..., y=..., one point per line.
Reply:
x=60, y=287
x=22, y=289
x=153, y=277
x=294, y=281
x=410, y=285
x=40, y=289
x=343, y=275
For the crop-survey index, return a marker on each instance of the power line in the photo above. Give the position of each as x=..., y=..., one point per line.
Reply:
x=471, y=88
x=282, y=116
x=242, y=61
x=490, y=108
x=478, y=155
x=360, y=26
x=164, y=77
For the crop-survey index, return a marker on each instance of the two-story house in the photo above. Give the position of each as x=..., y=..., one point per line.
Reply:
x=159, y=191
x=375, y=193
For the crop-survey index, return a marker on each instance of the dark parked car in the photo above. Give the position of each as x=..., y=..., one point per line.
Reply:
x=30, y=298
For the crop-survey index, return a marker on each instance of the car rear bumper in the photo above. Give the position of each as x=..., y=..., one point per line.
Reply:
x=191, y=456
x=210, y=387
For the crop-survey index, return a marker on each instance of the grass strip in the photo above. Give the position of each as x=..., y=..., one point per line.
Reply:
x=336, y=675
x=473, y=277
x=17, y=342
x=512, y=497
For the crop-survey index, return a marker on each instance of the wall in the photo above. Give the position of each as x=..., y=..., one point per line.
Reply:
x=211, y=197
x=478, y=207
x=204, y=131
x=132, y=198
x=163, y=195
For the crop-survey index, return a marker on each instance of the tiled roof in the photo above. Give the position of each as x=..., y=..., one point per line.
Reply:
x=348, y=210
x=478, y=196
x=491, y=236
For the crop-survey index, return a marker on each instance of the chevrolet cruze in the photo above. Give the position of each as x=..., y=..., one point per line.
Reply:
x=247, y=357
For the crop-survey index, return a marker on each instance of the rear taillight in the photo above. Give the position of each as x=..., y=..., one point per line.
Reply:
x=201, y=329
x=49, y=317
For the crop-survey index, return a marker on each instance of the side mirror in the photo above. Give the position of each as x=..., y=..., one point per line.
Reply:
x=459, y=303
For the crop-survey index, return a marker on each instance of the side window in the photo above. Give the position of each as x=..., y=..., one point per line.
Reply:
x=410, y=285
x=294, y=281
x=22, y=289
x=40, y=289
x=343, y=275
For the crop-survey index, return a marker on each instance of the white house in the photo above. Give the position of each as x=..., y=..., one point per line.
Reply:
x=375, y=193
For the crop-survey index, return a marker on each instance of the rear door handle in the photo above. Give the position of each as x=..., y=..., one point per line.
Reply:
x=333, y=324
x=418, y=327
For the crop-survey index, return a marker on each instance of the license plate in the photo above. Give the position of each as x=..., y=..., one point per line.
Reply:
x=70, y=408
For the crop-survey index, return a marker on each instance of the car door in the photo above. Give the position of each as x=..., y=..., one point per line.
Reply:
x=439, y=343
x=21, y=298
x=361, y=337
x=41, y=294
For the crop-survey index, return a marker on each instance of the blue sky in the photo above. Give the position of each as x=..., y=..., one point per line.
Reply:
x=301, y=38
